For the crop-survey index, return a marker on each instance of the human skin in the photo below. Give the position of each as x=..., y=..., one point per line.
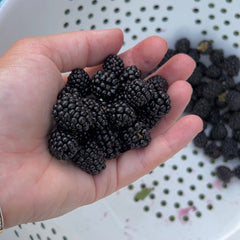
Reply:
x=34, y=185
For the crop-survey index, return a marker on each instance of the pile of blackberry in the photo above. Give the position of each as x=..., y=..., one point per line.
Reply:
x=216, y=99
x=97, y=118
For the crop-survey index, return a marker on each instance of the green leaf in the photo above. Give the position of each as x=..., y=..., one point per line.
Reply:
x=141, y=195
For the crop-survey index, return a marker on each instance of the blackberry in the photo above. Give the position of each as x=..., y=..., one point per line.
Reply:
x=213, y=71
x=194, y=54
x=113, y=63
x=201, y=140
x=212, y=150
x=108, y=140
x=226, y=81
x=170, y=53
x=79, y=79
x=236, y=171
x=233, y=120
x=129, y=74
x=233, y=100
x=120, y=114
x=104, y=84
x=218, y=131
x=137, y=93
x=72, y=114
x=182, y=45
x=224, y=173
x=229, y=148
x=212, y=89
x=159, y=83
x=99, y=117
x=136, y=136
x=232, y=65
x=69, y=90
x=205, y=47
x=196, y=76
x=202, y=108
x=214, y=116
x=62, y=144
x=90, y=158
x=217, y=57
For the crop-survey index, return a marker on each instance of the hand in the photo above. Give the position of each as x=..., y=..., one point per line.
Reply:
x=34, y=186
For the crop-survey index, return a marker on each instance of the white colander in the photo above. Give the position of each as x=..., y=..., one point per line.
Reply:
x=187, y=201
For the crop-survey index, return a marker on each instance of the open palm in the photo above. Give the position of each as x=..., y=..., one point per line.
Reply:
x=35, y=186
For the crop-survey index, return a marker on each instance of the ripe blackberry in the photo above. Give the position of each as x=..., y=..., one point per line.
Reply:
x=226, y=81
x=90, y=158
x=72, y=114
x=137, y=93
x=217, y=57
x=159, y=83
x=107, y=139
x=136, y=136
x=212, y=89
x=205, y=47
x=214, y=116
x=62, y=144
x=234, y=120
x=229, y=148
x=218, y=132
x=233, y=100
x=232, y=65
x=202, y=108
x=201, y=140
x=104, y=84
x=113, y=63
x=213, y=71
x=67, y=89
x=212, y=150
x=78, y=78
x=120, y=114
x=194, y=54
x=99, y=117
x=196, y=76
x=224, y=173
x=129, y=74
x=182, y=45
x=236, y=171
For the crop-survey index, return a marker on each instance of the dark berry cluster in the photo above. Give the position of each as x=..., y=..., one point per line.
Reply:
x=99, y=118
x=215, y=98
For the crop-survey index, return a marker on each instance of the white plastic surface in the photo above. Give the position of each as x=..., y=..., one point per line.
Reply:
x=187, y=201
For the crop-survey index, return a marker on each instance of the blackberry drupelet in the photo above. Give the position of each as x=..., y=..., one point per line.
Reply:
x=136, y=136
x=72, y=114
x=182, y=45
x=113, y=63
x=120, y=114
x=90, y=158
x=62, y=144
x=104, y=84
x=78, y=78
x=224, y=173
x=137, y=93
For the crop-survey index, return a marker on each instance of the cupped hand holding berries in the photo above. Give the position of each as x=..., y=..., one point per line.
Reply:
x=34, y=185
